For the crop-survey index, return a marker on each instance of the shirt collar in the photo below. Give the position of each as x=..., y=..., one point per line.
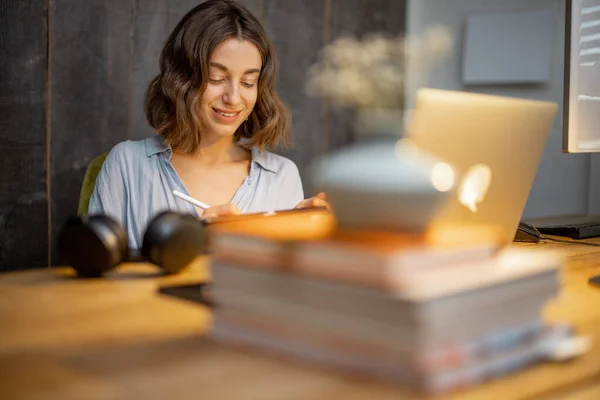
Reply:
x=157, y=144
x=265, y=160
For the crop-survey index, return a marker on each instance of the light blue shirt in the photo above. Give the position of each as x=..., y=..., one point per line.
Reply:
x=137, y=179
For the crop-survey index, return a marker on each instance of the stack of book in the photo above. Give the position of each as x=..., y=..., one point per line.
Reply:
x=426, y=310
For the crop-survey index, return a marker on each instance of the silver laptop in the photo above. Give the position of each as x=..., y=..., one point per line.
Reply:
x=495, y=145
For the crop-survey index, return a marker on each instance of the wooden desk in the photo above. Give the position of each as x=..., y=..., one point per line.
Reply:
x=63, y=338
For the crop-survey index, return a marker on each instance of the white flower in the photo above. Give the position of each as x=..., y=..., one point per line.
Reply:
x=369, y=73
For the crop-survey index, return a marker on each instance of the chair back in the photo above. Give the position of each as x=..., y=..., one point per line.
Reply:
x=89, y=182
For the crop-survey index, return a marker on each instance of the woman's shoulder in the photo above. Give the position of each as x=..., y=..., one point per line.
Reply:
x=135, y=151
x=273, y=162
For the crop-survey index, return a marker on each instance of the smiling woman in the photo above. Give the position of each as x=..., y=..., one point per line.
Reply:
x=216, y=112
x=231, y=92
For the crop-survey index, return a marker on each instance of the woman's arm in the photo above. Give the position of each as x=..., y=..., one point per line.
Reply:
x=110, y=190
x=292, y=192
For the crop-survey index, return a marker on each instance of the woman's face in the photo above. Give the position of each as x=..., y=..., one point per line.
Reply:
x=232, y=86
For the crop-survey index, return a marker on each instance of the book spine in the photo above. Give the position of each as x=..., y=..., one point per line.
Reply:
x=461, y=376
x=420, y=284
x=343, y=262
x=370, y=303
x=398, y=336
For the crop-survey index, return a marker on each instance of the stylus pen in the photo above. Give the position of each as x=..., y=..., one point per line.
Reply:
x=191, y=200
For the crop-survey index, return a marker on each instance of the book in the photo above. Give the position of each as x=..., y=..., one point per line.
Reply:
x=425, y=274
x=468, y=370
x=411, y=327
x=372, y=259
x=505, y=295
x=398, y=336
x=423, y=284
x=367, y=302
x=284, y=225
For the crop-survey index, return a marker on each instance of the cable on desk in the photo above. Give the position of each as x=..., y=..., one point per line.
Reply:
x=551, y=239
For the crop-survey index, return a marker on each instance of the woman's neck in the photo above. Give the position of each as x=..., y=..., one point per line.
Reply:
x=216, y=151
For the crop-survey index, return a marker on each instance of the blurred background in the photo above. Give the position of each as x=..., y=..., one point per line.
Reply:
x=74, y=73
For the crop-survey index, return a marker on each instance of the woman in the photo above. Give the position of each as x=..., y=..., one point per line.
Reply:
x=215, y=109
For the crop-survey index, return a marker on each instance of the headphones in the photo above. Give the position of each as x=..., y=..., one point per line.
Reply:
x=96, y=244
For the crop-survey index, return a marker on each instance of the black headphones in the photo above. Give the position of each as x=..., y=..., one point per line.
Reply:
x=96, y=244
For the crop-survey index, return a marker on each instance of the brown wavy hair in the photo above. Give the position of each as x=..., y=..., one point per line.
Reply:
x=173, y=96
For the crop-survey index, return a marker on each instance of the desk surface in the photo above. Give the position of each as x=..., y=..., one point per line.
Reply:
x=64, y=338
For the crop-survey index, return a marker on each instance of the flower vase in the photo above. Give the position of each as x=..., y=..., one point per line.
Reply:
x=382, y=182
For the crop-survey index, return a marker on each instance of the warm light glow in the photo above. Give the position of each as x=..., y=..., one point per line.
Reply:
x=406, y=147
x=475, y=185
x=442, y=177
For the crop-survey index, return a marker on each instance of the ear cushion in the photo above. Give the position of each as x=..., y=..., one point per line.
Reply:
x=92, y=245
x=159, y=227
x=173, y=240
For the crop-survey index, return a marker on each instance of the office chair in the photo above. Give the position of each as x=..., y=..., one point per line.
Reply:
x=89, y=181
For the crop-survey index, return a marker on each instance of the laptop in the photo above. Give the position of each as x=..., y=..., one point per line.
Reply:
x=576, y=226
x=494, y=144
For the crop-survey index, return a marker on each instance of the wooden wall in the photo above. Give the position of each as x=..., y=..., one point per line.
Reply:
x=73, y=79
x=23, y=146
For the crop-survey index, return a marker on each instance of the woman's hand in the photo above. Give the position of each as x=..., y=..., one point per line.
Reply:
x=317, y=201
x=219, y=211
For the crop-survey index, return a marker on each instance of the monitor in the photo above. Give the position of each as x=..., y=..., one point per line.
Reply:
x=581, y=101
